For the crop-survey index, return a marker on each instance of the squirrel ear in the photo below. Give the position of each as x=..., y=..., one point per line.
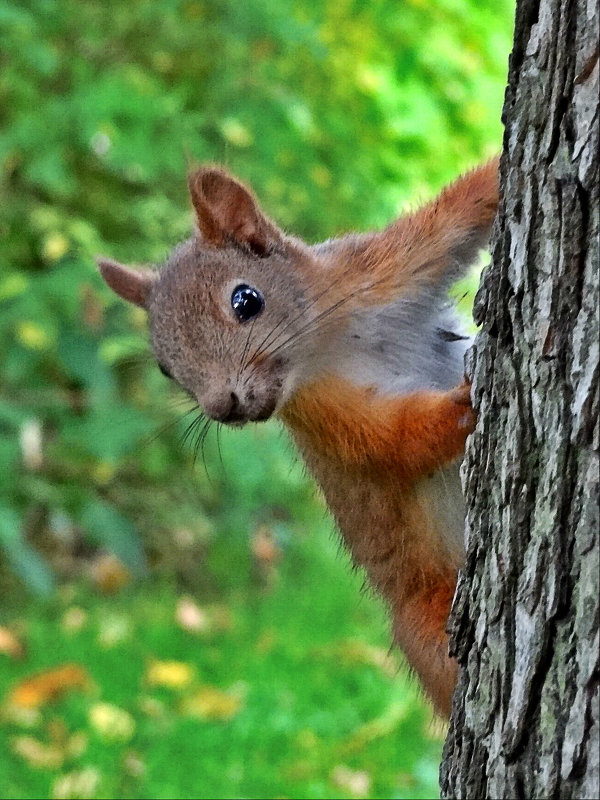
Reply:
x=132, y=285
x=225, y=209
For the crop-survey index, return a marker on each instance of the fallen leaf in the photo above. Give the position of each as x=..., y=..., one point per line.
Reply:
x=73, y=619
x=405, y=781
x=80, y=784
x=36, y=753
x=111, y=722
x=40, y=689
x=44, y=755
x=355, y=782
x=170, y=674
x=22, y=717
x=191, y=617
x=10, y=645
x=109, y=574
x=211, y=703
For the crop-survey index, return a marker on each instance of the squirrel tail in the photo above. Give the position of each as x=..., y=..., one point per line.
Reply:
x=437, y=243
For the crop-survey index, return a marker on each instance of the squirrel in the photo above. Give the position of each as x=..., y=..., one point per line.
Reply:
x=351, y=343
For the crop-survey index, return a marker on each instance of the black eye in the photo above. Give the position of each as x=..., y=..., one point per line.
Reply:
x=165, y=371
x=246, y=302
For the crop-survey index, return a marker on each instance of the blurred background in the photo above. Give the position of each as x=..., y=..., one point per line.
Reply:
x=172, y=627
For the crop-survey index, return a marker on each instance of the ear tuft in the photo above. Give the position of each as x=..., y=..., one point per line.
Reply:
x=132, y=285
x=226, y=210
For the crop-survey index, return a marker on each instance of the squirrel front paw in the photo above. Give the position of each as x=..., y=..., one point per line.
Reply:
x=461, y=397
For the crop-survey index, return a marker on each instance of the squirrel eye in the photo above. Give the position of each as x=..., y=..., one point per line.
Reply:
x=246, y=302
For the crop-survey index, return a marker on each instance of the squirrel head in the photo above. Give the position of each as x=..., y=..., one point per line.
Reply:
x=234, y=312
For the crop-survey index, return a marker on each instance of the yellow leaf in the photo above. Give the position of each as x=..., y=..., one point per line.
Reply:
x=236, y=133
x=211, y=703
x=170, y=674
x=55, y=246
x=13, y=285
x=33, y=336
x=111, y=722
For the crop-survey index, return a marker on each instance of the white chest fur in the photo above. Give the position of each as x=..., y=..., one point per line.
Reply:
x=401, y=348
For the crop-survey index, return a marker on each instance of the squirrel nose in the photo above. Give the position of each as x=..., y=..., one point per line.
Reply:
x=226, y=408
x=234, y=414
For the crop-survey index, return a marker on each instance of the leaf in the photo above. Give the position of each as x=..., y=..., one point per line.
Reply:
x=10, y=645
x=36, y=753
x=211, y=703
x=356, y=782
x=191, y=617
x=109, y=573
x=74, y=619
x=170, y=674
x=111, y=722
x=81, y=784
x=47, y=686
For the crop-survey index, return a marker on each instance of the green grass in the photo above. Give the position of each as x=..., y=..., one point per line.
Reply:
x=305, y=660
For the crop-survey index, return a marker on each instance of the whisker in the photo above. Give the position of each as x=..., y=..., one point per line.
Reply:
x=191, y=428
x=264, y=344
x=312, y=325
x=219, y=426
x=260, y=349
x=246, y=346
x=199, y=446
x=163, y=428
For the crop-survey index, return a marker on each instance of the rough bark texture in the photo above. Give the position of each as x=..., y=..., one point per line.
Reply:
x=525, y=620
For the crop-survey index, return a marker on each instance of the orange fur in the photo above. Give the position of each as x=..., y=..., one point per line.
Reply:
x=412, y=435
x=418, y=247
x=369, y=453
x=420, y=632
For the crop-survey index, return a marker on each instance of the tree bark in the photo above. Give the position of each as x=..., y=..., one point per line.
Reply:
x=524, y=625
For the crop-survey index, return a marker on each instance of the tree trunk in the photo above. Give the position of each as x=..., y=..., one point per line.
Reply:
x=525, y=621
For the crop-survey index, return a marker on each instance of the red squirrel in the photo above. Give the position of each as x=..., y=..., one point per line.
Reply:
x=350, y=344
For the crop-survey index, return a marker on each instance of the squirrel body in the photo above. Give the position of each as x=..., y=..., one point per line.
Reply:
x=352, y=344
